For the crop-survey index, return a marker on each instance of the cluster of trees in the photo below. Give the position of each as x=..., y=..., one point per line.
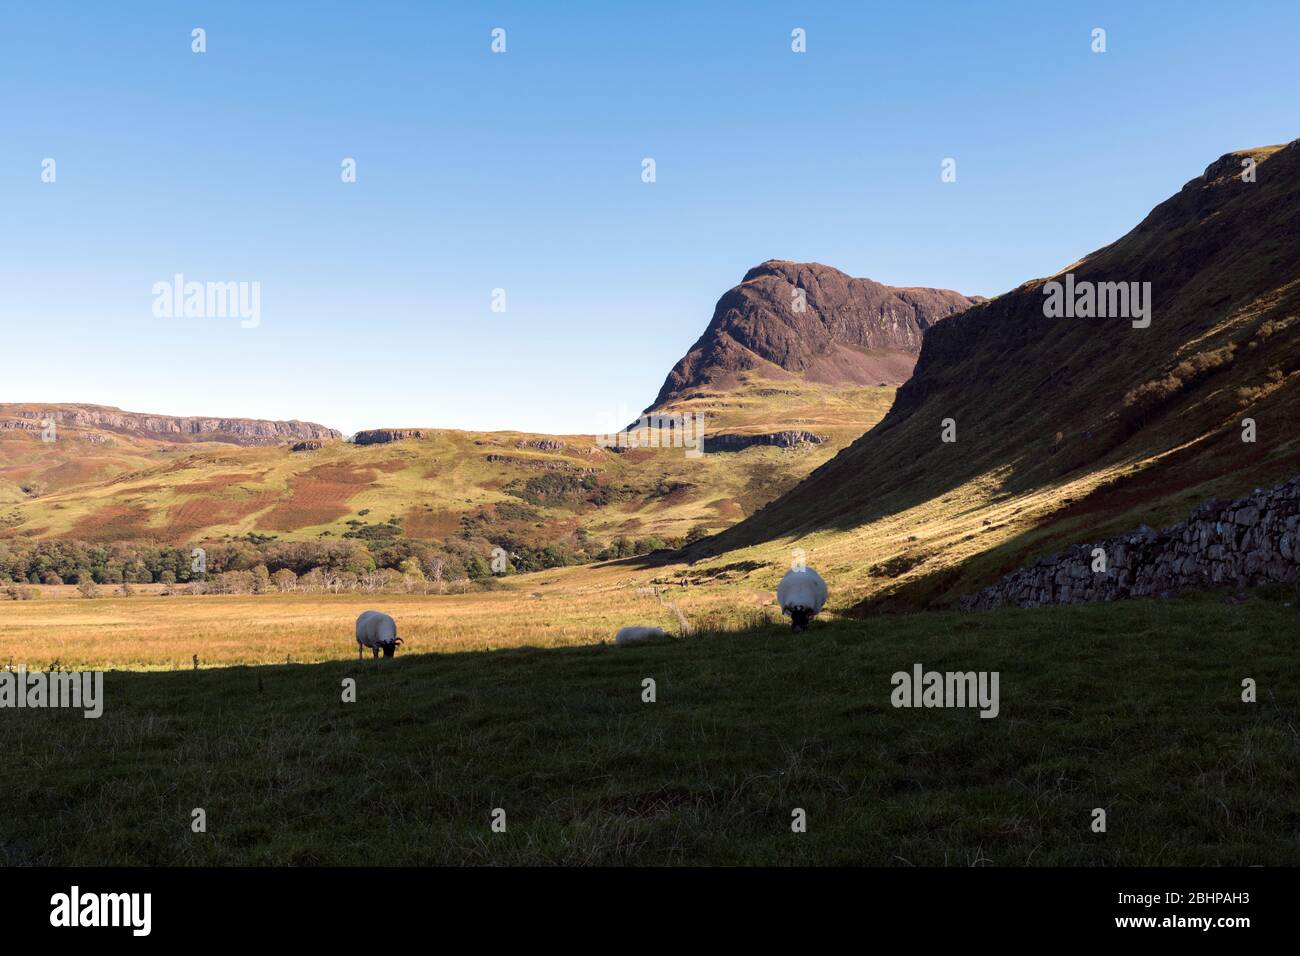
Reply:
x=629, y=548
x=409, y=579
x=23, y=561
x=76, y=562
x=257, y=564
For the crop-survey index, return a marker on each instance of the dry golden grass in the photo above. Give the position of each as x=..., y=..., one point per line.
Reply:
x=576, y=606
x=558, y=608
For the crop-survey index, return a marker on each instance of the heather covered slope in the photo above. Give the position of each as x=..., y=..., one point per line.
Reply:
x=1072, y=427
x=541, y=491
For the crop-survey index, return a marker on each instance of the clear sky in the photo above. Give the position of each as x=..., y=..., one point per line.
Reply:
x=523, y=171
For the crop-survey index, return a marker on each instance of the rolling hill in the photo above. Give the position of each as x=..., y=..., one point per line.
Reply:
x=56, y=447
x=115, y=476
x=546, y=488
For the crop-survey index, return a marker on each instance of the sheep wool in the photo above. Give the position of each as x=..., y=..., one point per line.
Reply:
x=802, y=594
x=377, y=631
x=630, y=635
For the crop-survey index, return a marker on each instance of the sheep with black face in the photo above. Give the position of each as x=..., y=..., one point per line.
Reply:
x=377, y=631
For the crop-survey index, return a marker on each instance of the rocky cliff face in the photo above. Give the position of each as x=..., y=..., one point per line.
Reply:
x=784, y=439
x=1254, y=540
x=811, y=319
x=238, y=431
x=380, y=436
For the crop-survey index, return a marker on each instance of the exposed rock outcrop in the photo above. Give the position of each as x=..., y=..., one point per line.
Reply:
x=784, y=439
x=540, y=464
x=542, y=444
x=380, y=436
x=1254, y=540
x=808, y=318
x=238, y=431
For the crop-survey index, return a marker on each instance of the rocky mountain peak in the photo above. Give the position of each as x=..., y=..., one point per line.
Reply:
x=809, y=319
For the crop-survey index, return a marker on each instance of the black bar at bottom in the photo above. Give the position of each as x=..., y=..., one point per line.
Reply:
x=334, y=905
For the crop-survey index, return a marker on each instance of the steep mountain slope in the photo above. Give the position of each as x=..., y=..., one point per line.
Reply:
x=1070, y=427
x=807, y=320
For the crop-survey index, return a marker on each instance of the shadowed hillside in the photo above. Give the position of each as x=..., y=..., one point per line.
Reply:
x=1070, y=426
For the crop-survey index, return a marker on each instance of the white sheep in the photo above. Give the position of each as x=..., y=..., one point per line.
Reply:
x=631, y=635
x=801, y=594
x=377, y=630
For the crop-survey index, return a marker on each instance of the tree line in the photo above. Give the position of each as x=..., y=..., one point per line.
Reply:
x=257, y=563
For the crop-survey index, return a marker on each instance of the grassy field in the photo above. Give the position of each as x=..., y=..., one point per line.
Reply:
x=1134, y=707
x=563, y=608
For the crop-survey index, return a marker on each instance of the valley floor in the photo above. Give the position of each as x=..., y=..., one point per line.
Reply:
x=1133, y=707
x=562, y=608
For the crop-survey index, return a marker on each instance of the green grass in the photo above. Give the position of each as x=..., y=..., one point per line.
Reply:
x=1134, y=707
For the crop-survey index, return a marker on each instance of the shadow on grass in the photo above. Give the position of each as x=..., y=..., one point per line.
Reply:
x=1134, y=707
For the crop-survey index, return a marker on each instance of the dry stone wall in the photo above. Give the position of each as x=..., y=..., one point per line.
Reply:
x=1254, y=540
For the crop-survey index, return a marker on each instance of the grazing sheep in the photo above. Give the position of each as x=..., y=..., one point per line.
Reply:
x=801, y=594
x=631, y=635
x=377, y=630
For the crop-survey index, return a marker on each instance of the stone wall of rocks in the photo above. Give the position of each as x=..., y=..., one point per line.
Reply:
x=1254, y=540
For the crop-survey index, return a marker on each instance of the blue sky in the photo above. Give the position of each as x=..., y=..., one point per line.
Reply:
x=522, y=171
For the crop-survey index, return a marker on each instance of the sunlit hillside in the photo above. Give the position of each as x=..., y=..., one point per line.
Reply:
x=1068, y=429
x=101, y=485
